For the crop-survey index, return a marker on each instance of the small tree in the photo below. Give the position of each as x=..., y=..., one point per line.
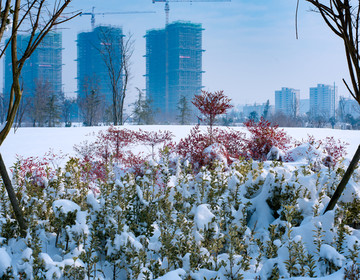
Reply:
x=142, y=113
x=253, y=116
x=53, y=110
x=184, y=110
x=38, y=17
x=67, y=109
x=266, y=110
x=211, y=105
x=91, y=103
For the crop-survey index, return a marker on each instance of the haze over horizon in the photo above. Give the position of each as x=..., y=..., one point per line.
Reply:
x=250, y=46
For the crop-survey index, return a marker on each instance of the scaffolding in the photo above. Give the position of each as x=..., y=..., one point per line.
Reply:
x=92, y=71
x=173, y=66
x=43, y=66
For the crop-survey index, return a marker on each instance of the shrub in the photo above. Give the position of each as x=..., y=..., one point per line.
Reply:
x=192, y=147
x=264, y=136
x=111, y=147
x=36, y=170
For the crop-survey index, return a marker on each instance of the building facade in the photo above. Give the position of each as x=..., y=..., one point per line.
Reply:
x=173, y=67
x=287, y=101
x=95, y=51
x=323, y=101
x=42, y=69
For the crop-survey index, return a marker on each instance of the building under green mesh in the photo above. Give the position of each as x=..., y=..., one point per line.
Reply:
x=173, y=67
x=92, y=57
x=43, y=67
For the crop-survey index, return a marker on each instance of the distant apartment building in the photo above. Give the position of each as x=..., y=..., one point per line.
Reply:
x=42, y=69
x=287, y=101
x=94, y=50
x=323, y=101
x=173, y=67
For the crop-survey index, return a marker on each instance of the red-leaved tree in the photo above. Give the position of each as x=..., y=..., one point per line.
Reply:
x=211, y=105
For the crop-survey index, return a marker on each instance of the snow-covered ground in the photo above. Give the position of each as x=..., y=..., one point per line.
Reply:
x=37, y=141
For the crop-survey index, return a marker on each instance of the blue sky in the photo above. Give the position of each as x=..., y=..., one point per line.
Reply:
x=250, y=45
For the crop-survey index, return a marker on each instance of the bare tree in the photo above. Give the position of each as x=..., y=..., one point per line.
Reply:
x=37, y=17
x=91, y=103
x=39, y=101
x=67, y=110
x=116, y=51
x=53, y=109
x=343, y=19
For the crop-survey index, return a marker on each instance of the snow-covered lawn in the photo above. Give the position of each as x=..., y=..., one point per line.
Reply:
x=37, y=141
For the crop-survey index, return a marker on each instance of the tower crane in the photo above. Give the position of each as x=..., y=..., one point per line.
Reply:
x=167, y=7
x=93, y=14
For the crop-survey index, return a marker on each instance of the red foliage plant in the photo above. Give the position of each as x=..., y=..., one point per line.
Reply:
x=110, y=146
x=192, y=147
x=212, y=104
x=36, y=169
x=153, y=138
x=264, y=136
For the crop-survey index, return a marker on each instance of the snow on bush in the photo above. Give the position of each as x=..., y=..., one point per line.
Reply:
x=225, y=216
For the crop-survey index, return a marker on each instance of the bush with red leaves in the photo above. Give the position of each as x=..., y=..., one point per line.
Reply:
x=192, y=147
x=211, y=105
x=36, y=170
x=111, y=146
x=264, y=136
x=153, y=138
x=335, y=149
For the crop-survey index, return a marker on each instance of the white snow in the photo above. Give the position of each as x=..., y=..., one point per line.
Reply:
x=5, y=261
x=328, y=252
x=203, y=216
x=65, y=206
x=173, y=275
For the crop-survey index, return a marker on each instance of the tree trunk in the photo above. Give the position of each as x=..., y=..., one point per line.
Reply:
x=344, y=181
x=14, y=202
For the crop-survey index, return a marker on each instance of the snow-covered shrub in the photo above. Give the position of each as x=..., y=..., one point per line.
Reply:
x=112, y=147
x=329, y=151
x=265, y=136
x=193, y=147
x=36, y=171
x=239, y=219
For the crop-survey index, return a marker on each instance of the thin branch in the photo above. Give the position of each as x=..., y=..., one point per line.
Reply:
x=296, y=19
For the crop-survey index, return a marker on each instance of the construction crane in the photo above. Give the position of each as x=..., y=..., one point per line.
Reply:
x=93, y=14
x=167, y=7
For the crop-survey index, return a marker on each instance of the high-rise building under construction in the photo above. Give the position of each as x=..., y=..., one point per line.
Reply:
x=173, y=67
x=96, y=50
x=42, y=69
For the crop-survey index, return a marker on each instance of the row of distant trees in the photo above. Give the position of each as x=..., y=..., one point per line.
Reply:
x=45, y=108
x=320, y=120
